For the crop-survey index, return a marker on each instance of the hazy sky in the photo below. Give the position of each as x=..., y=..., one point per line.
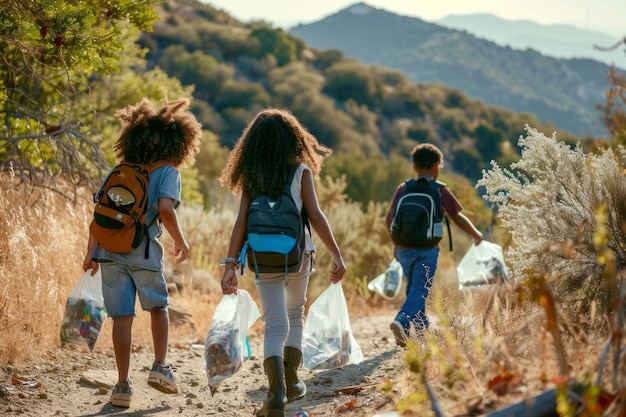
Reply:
x=608, y=16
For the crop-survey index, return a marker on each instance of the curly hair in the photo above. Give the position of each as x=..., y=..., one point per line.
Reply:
x=270, y=148
x=425, y=155
x=149, y=134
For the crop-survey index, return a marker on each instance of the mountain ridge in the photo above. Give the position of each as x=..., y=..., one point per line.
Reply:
x=557, y=40
x=563, y=91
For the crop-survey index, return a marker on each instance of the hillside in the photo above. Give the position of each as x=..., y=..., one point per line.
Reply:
x=560, y=41
x=565, y=92
x=372, y=116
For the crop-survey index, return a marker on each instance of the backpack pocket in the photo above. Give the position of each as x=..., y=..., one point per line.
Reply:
x=273, y=253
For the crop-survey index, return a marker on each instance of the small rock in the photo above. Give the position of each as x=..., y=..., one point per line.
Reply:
x=99, y=378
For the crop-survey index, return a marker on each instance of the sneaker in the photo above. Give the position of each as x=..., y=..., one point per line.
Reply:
x=398, y=331
x=122, y=394
x=162, y=378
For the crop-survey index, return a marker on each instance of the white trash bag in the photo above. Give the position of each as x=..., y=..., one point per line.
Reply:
x=388, y=283
x=226, y=346
x=84, y=313
x=482, y=265
x=328, y=342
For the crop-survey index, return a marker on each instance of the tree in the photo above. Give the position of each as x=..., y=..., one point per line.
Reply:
x=285, y=48
x=348, y=79
x=488, y=141
x=49, y=50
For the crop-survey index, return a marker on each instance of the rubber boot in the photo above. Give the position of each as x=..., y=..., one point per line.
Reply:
x=274, y=404
x=296, y=389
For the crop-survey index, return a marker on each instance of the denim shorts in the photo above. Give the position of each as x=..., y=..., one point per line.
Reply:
x=121, y=284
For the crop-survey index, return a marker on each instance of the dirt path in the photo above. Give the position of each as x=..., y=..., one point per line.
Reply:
x=70, y=383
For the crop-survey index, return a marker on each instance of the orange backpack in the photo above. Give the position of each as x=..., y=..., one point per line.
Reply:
x=119, y=216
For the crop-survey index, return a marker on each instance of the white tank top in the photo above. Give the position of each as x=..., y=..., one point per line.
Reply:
x=296, y=192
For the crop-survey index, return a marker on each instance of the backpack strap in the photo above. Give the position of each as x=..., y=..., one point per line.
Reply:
x=157, y=164
x=151, y=168
x=445, y=216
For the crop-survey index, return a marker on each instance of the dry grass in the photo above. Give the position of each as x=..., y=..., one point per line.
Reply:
x=42, y=244
x=480, y=335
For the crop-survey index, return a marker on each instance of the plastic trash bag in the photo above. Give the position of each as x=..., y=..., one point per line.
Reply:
x=84, y=312
x=388, y=283
x=226, y=346
x=482, y=265
x=328, y=342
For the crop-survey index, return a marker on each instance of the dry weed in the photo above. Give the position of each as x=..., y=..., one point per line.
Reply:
x=42, y=243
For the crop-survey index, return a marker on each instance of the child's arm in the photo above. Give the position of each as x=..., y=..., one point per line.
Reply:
x=467, y=226
x=87, y=262
x=392, y=207
x=170, y=221
x=322, y=228
x=230, y=280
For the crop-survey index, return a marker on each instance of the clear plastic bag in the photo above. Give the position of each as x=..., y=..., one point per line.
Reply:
x=84, y=313
x=226, y=346
x=328, y=341
x=388, y=283
x=482, y=266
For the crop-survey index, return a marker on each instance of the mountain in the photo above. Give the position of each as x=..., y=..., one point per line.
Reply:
x=565, y=92
x=561, y=41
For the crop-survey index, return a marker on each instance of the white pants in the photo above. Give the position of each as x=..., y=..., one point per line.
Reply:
x=282, y=301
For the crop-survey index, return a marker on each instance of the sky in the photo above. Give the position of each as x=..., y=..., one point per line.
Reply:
x=607, y=16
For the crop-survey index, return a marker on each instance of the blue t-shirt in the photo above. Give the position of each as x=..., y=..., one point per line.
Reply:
x=164, y=183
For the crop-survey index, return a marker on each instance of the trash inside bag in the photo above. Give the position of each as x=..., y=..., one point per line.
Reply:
x=482, y=265
x=328, y=342
x=226, y=346
x=84, y=312
x=388, y=283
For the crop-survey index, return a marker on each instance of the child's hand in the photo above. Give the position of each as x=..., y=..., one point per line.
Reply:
x=89, y=264
x=230, y=281
x=181, y=251
x=478, y=238
x=337, y=268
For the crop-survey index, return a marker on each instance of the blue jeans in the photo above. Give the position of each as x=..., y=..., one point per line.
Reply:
x=419, y=266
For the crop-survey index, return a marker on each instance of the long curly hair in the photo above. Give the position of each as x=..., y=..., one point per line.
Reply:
x=270, y=148
x=150, y=134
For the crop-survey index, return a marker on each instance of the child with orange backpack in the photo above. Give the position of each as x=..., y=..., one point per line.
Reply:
x=153, y=141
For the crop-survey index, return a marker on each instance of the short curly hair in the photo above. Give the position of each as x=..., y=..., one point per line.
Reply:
x=150, y=134
x=425, y=155
x=272, y=145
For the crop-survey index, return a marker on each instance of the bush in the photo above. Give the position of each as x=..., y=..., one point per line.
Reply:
x=555, y=200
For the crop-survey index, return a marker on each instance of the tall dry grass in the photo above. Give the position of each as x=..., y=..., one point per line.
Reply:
x=42, y=243
x=494, y=347
x=43, y=237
